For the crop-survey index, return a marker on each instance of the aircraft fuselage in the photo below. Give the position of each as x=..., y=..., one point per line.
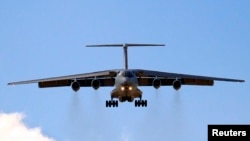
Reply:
x=126, y=86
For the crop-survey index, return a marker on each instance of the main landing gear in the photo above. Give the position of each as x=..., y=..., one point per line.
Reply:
x=111, y=103
x=142, y=103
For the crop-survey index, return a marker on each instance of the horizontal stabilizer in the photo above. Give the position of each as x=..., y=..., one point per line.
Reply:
x=124, y=45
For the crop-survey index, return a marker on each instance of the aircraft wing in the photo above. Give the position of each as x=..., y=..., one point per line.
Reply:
x=105, y=78
x=146, y=77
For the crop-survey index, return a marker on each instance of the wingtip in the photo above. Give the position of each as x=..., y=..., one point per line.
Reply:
x=11, y=83
x=241, y=81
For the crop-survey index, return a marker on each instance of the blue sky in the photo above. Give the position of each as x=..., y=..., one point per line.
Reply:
x=42, y=39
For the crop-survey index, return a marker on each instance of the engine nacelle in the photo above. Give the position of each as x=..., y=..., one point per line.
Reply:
x=95, y=83
x=176, y=84
x=156, y=83
x=75, y=86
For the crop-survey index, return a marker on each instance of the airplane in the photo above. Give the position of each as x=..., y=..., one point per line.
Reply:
x=126, y=81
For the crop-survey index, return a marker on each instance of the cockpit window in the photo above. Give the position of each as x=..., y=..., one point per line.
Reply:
x=127, y=74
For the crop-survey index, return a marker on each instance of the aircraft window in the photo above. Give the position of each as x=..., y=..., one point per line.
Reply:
x=127, y=74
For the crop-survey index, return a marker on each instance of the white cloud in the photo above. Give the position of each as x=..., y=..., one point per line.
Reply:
x=13, y=129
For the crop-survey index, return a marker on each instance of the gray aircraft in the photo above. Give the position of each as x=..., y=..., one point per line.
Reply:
x=126, y=81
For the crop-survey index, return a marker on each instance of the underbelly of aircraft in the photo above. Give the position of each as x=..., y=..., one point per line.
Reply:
x=126, y=94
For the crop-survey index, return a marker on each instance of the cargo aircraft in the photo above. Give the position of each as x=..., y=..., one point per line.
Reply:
x=126, y=81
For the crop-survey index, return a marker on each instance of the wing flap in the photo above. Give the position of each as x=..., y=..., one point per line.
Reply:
x=108, y=81
x=202, y=82
x=147, y=81
x=169, y=82
x=58, y=83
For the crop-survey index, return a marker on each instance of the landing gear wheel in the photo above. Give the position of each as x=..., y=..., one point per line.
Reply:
x=136, y=103
x=142, y=103
x=107, y=103
x=146, y=103
x=116, y=103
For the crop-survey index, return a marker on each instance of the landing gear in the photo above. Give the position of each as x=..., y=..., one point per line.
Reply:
x=142, y=103
x=111, y=103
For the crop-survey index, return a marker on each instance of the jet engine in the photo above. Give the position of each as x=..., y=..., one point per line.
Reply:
x=156, y=83
x=75, y=86
x=95, y=83
x=176, y=84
